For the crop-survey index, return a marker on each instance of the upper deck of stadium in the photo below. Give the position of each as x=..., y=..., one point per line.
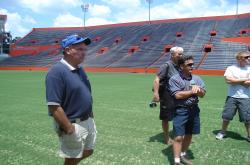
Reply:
x=213, y=41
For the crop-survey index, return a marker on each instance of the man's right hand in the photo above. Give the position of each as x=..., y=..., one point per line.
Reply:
x=62, y=120
x=246, y=83
x=70, y=130
x=156, y=97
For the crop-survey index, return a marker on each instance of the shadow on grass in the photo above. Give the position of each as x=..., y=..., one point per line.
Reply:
x=160, y=137
x=157, y=138
x=168, y=152
x=231, y=134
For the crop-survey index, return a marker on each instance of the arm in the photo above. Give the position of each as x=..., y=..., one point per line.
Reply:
x=200, y=92
x=196, y=90
x=235, y=81
x=183, y=94
x=61, y=118
x=156, y=85
x=246, y=83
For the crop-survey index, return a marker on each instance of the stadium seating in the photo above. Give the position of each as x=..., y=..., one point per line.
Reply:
x=111, y=45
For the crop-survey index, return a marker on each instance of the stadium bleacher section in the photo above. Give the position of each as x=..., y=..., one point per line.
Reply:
x=139, y=44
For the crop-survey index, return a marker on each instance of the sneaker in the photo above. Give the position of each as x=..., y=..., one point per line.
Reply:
x=220, y=135
x=248, y=138
x=186, y=161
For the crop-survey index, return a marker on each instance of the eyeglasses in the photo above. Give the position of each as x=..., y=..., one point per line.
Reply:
x=190, y=64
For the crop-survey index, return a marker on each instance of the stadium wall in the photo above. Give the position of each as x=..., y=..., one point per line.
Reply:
x=117, y=70
x=242, y=39
x=30, y=50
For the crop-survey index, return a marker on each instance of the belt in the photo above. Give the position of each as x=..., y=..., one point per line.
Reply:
x=78, y=120
x=187, y=107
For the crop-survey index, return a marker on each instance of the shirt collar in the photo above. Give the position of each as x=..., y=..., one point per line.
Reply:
x=175, y=65
x=67, y=64
x=186, y=78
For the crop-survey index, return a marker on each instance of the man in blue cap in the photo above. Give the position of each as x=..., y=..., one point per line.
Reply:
x=69, y=100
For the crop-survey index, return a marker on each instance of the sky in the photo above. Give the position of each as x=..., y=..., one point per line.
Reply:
x=23, y=15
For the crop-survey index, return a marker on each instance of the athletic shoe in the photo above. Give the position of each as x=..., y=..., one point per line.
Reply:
x=220, y=135
x=186, y=161
x=248, y=139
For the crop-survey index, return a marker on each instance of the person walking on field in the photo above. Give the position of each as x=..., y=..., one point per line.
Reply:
x=161, y=92
x=69, y=100
x=238, y=99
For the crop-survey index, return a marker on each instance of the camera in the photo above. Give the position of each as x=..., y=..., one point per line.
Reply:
x=152, y=104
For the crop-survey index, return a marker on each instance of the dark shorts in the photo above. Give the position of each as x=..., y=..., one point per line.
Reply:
x=232, y=105
x=186, y=121
x=166, y=107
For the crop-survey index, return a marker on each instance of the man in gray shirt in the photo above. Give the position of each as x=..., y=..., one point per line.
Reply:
x=185, y=88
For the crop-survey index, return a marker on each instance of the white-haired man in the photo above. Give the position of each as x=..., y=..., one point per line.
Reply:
x=161, y=91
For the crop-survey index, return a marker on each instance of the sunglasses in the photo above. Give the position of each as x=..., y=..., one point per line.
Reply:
x=243, y=58
x=190, y=64
x=246, y=57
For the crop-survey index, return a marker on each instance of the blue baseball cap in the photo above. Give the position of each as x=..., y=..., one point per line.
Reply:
x=74, y=39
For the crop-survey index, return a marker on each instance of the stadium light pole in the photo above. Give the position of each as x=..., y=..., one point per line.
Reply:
x=85, y=8
x=149, y=12
x=237, y=5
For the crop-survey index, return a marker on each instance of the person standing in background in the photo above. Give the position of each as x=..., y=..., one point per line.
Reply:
x=161, y=92
x=238, y=99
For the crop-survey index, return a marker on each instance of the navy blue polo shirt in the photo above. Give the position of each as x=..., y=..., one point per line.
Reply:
x=179, y=83
x=69, y=89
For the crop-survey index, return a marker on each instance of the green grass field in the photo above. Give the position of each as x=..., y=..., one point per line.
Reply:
x=129, y=132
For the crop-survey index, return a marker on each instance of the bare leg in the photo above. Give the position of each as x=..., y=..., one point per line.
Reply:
x=70, y=161
x=225, y=124
x=247, y=125
x=186, y=142
x=75, y=161
x=177, y=145
x=165, y=128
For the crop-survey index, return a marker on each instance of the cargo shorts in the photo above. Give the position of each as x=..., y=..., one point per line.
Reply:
x=84, y=137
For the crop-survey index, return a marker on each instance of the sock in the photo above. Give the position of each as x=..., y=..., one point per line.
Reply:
x=177, y=160
x=183, y=153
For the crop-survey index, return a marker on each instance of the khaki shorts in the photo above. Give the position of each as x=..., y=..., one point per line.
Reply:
x=84, y=137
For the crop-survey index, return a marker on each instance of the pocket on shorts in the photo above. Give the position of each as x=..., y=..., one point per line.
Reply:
x=72, y=141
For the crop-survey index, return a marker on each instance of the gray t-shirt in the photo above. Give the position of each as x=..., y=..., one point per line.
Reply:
x=179, y=83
